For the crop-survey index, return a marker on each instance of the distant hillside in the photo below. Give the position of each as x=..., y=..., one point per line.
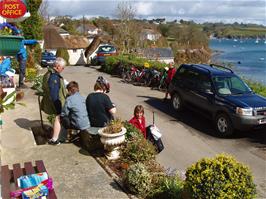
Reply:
x=234, y=30
x=188, y=40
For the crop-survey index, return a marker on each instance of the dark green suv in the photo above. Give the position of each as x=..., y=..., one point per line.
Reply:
x=217, y=92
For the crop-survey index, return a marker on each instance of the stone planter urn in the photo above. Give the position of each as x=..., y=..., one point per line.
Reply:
x=111, y=142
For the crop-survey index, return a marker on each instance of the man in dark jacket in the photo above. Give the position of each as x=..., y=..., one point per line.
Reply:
x=54, y=96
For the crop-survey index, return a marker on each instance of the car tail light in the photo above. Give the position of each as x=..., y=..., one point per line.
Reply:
x=100, y=54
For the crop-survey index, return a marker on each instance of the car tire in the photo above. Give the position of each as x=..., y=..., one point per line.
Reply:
x=177, y=102
x=224, y=125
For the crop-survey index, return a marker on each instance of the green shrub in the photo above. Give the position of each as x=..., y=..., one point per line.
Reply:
x=111, y=60
x=137, y=179
x=138, y=149
x=128, y=61
x=257, y=87
x=37, y=85
x=15, y=64
x=220, y=177
x=37, y=53
x=31, y=74
x=30, y=59
x=62, y=52
x=132, y=132
x=168, y=187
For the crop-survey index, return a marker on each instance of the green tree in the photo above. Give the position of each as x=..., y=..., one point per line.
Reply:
x=125, y=12
x=164, y=28
x=106, y=25
x=32, y=26
x=66, y=23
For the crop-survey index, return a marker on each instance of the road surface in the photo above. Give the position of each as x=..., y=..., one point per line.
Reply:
x=187, y=137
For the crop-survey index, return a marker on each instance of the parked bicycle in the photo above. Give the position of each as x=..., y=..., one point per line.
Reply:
x=130, y=76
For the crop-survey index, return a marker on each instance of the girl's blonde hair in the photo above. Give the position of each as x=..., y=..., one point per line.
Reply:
x=138, y=109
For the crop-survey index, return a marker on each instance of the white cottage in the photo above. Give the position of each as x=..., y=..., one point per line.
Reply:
x=76, y=46
x=150, y=34
x=158, y=54
x=88, y=29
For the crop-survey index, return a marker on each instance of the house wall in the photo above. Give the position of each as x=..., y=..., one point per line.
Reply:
x=76, y=56
x=166, y=60
x=41, y=42
x=93, y=32
x=64, y=34
x=153, y=37
x=89, y=58
x=90, y=40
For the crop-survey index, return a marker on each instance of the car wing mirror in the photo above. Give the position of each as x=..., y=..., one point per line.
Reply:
x=209, y=91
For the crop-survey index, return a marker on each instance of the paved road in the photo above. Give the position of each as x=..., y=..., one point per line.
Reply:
x=187, y=137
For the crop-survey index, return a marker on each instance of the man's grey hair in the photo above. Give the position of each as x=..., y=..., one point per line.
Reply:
x=60, y=61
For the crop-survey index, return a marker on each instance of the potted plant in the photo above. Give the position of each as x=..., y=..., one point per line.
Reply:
x=112, y=136
x=6, y=102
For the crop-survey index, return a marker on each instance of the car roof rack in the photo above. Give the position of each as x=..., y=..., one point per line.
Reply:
x=198, y=65
x=220, y=66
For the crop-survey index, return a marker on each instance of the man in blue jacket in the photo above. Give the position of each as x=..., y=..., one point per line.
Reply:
x=54, y=96
x=22, y=59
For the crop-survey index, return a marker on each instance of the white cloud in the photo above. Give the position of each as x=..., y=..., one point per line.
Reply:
x=143, y=8
x=245, y=11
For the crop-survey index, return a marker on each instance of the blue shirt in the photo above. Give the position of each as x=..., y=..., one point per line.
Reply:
x=75, y=109
x=22, y=53
x=5, y=66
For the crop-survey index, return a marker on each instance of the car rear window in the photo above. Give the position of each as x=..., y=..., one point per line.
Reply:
x=106, y=49
x=48, y=54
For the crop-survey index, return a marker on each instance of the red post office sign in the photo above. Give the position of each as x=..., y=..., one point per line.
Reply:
x=12, y=8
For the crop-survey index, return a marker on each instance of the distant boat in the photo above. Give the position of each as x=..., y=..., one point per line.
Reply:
x=235, y=40
x=257, y=40
x=265, y=41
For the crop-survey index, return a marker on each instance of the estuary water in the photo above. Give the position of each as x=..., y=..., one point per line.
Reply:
x=247, y=56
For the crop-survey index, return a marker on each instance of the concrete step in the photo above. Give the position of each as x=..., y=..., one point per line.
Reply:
x=16, y=129
x=75, y=172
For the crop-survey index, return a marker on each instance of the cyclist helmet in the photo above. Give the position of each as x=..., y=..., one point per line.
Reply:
x=104, y=84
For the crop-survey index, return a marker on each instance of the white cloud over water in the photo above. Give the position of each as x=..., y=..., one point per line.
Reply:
x=229, y=11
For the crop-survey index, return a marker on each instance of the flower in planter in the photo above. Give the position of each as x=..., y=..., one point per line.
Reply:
x=115, y=126
x=8, y=29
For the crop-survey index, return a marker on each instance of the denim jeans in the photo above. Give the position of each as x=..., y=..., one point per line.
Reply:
x=22, y=70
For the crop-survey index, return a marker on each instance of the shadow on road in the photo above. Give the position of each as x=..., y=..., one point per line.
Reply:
x=188, y=118
x=196, y=121
x=26, y=123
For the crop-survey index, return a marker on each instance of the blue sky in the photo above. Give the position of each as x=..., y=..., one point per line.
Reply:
x=227, y=11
